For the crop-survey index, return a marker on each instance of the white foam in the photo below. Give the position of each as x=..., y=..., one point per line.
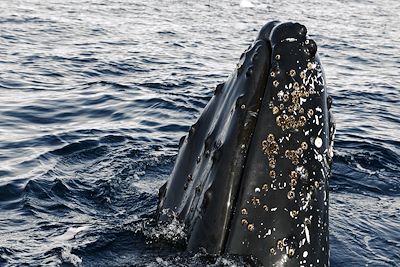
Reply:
x=70, y=233
x=246, y=3
x=67, y=256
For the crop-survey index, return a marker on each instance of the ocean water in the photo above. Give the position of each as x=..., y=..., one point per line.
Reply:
x=94, y=96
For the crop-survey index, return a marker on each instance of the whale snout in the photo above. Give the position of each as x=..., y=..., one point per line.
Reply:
x=251, y=177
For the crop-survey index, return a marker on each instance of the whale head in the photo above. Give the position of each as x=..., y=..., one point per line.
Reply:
x=251, y=176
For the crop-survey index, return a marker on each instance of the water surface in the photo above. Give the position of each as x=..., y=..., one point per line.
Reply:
x=96, y=94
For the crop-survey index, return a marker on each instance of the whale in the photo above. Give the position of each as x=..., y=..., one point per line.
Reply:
x=251, y=177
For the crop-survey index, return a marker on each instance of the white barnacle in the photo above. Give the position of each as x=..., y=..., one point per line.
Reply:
x=289, y=39
x=318, y=142
x=270, y=105
x=268, y=233
x=280, y=94
x=316, y=120
x=302, y=242
x=330, y=151
x=307, y=233
x=303, y=173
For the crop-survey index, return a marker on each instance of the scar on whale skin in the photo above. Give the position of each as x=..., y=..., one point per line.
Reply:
x=251, y=176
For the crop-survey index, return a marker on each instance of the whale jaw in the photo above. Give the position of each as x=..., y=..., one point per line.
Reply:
x=251, y=176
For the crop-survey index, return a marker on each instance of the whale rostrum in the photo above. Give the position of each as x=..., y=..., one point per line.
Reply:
x=251, y=176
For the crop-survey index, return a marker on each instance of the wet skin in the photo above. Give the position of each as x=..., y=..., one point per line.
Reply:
x=251, y=176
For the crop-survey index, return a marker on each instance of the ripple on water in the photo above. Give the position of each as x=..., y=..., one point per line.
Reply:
x=92, y=110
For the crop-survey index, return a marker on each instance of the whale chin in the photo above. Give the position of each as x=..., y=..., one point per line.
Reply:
x=251, y=176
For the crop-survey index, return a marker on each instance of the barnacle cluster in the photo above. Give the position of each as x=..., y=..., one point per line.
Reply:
x=283, y=245
x=295, y=154
x=290, y=122
x=270, y=148
x=288, y=103
x=292, y=113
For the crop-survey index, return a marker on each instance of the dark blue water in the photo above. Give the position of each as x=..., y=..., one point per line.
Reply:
x=96, y=94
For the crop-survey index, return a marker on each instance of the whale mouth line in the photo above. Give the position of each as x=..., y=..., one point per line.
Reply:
x=252, y=173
